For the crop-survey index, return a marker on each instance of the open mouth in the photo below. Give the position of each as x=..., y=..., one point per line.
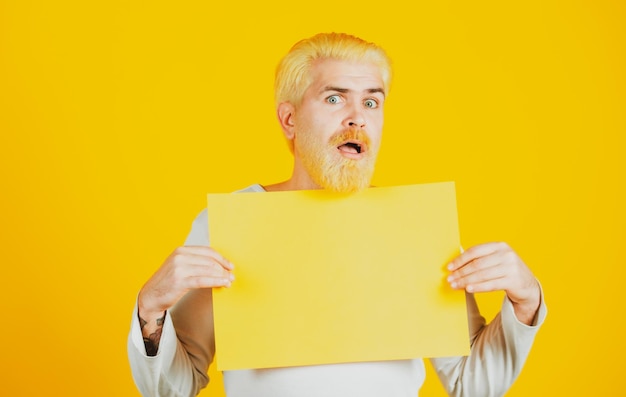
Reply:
x=352, y=147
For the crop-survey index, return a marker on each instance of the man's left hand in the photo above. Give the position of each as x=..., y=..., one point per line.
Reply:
x=496, y=267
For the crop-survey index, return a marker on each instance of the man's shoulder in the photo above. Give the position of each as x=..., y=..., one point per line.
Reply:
x=199, y=228
x=201, y=218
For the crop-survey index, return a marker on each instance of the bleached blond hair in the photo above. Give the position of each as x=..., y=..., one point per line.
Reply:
x=293, y=75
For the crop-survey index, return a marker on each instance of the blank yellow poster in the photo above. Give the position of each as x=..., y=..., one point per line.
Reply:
x=329, y=278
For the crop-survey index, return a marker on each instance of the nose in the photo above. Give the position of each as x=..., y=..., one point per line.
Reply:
x=355, y=118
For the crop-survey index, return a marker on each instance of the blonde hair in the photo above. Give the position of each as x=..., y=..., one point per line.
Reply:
x=293, y=72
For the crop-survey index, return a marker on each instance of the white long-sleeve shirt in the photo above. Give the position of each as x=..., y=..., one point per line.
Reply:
x=187, y=348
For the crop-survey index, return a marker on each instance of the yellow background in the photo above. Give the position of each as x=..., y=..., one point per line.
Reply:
x=116, y=119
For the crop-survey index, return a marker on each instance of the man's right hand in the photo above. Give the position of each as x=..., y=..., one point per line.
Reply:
x=185, y=269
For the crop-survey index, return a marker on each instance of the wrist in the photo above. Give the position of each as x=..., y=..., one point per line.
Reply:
x=526, y=309
x=148, y=316
x=151, y=332
x=151, y=325
x=148, y=312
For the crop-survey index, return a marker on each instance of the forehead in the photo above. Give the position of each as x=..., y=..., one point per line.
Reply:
x=356, y=76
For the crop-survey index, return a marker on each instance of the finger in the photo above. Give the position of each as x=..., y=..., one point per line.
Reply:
x=225, y=263
x=177, y=277
x=198, y=252
x=212, y=270
x=473, y=253
x=497, y=284
x=206, y=260
x=208, y=282
x=476, y=265
x=479, y=277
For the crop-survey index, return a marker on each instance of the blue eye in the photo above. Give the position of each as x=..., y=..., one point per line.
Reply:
x=333, y=99
x=370, y=103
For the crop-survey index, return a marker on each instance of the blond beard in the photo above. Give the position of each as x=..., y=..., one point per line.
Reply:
x=330, y=170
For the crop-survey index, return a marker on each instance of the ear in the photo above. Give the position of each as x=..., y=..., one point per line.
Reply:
x=285, y=113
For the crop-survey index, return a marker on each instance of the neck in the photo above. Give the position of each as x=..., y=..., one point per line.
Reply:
x=300, y=180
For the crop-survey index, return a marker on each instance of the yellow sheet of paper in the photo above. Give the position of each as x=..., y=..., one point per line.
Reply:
x=329, y=278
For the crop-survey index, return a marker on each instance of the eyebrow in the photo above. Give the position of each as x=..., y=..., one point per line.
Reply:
x=346, y=90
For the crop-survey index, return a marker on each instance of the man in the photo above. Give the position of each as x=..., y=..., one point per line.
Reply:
x=330, y=93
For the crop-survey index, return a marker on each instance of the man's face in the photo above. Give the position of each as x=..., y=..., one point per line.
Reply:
x=338, y=125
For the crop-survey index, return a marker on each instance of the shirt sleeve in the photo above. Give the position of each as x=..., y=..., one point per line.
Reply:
x=180, y=366
x=498, y=352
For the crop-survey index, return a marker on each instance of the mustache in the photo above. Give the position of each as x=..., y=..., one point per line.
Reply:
x=350, y=134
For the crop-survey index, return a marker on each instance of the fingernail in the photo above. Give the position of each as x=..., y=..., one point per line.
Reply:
x=453, y=285
x=469, y=288
x=450, y=266
x=232, y=277
x=450, y=278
